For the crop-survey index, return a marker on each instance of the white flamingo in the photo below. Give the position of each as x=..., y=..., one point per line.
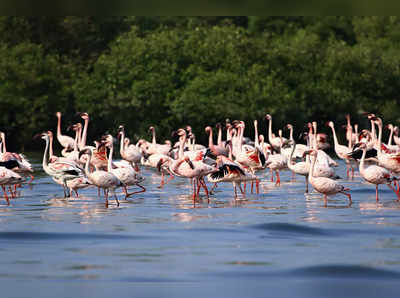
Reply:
x=62, y=171
x=342, y=151
x=102, y=179
x=64, y=140
x=126, y=175
x=375, y=174
x=130, y=153
x=275, y=142
x=324, y=185
x=301, y=168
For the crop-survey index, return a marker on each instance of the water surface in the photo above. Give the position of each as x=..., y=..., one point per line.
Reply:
x=280, y=242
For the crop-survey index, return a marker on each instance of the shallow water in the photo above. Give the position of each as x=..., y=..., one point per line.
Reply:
x=279, y=242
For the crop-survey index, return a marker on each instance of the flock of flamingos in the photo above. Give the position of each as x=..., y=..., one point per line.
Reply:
x=236, y=160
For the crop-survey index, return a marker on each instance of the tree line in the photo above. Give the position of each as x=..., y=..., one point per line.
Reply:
x=173, y=71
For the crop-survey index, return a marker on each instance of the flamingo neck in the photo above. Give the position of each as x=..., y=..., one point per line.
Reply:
x=122, y=144
x=311, y=171
x=4, y=142
x=270, y=130
x=154, y=137
x=59, y=126
x=84, y=134
x=256, y=141
x=219, y=140
x=291, y=133
x=46, y=151
x=390, y=136
x=362, y=161
x=109, y=164
x=373, y=131
x=182, y=141
x=76, y=140
x=51, y=147
x=335, y=140
x=89, y=159
x=379, y=136
x=210, y=139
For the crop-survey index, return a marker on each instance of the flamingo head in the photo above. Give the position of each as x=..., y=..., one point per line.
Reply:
x=84, y=151
x=208, y=129
x=58, y=114
x=168, y=142
x=289, y=126
x=141, y=142
x=160, y=163
x=189, y=162
x=50, y=133
x=330, y=124
x=151, y=128
x=188, y=128
x=255, y=123
x=218, y=125
x=127, y=141
x=310, y=152
x=261, y=138
x=84, y=116
x=268, y=117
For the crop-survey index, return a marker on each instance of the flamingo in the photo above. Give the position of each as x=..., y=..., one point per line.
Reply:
x=153, y=147
x=342, y=151
x=65, y=141
x=301, y=168
x=102, y=179
x=299, y=148
x=130, y=153
x=275, y=142
x=62, y=171
x=125, y=174
x=324, y=185
x=387, y=160
x=25, y=167
x=375, y=174
x=8, y=177
x=215, y=149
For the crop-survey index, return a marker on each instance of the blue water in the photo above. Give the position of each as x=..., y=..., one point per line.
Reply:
x=279, y=243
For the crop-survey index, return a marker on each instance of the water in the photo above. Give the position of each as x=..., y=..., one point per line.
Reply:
x=278, y=243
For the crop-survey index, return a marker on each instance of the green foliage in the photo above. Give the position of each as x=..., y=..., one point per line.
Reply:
x=173, y=71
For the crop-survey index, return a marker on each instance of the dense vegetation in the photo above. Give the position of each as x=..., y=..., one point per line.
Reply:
x=171, y=71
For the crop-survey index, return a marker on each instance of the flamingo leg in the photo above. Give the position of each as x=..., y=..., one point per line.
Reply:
x=348, y=196
x=115, y=197
x=135, y=192
x=278, y=179
x=162, y=180
x=76, y=192
x=257, y=186
x=272, y=175
x=194, y=189
x=106, y=197
x=198, y=187
x=396, y=191
x=203, y=183
x=352, y=172
x=213, y=187
x=252, y=186
x=32, y=178
x=5, y=195
x=325, y=200
x=241, y=190
x=376, y=193
x=245, y=185
x=234, y=188
x=293, y=177
x=306, y=183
